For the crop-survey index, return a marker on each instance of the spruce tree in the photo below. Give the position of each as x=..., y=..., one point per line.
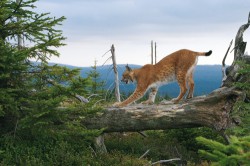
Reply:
x=16, y=70
x=234, y=154
x=32, y=93
x=97, y=85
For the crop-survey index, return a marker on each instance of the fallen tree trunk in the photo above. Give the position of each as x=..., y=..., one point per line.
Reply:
x=213, y=110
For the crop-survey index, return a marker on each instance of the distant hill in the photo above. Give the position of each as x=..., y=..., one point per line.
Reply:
x=207, y=78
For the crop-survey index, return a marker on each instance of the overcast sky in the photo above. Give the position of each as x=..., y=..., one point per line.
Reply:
x=92, y=26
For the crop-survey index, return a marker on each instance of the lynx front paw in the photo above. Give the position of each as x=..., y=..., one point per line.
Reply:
x=149, y=102
x=119, y=104
x=175, y=101
x=116, y=104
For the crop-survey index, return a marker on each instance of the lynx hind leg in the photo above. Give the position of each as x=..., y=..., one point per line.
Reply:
x=190, y=82
x=181, y=78
x=152, y=95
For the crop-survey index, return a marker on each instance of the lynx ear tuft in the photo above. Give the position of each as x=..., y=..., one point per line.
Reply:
x=128, y=68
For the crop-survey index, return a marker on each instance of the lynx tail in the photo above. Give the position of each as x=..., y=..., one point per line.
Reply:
x=208, y=53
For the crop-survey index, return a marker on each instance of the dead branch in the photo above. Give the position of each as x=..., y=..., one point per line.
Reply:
x=166, y=161
x=224, y=75
x=144, y=154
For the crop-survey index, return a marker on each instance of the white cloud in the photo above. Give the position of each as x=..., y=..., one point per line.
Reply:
x=93, y=25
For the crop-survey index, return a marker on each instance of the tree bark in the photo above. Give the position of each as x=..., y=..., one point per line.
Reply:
x=213, y=110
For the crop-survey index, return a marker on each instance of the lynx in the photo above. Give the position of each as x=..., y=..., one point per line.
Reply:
x=176, y=66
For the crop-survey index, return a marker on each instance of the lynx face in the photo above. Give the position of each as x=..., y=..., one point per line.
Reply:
x=127, y=75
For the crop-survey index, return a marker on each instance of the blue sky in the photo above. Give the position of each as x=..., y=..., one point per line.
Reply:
x=92, y=26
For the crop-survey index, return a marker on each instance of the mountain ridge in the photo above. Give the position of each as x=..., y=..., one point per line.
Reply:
x=206, y=77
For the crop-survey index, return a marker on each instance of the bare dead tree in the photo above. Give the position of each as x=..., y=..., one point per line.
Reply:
x=155, y=53
x=117, y=91
x=113, y=57
x=224, y=75
x=99, y=141
x=152, y=52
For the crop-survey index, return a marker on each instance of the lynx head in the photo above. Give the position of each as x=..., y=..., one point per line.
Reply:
x=127, y=75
